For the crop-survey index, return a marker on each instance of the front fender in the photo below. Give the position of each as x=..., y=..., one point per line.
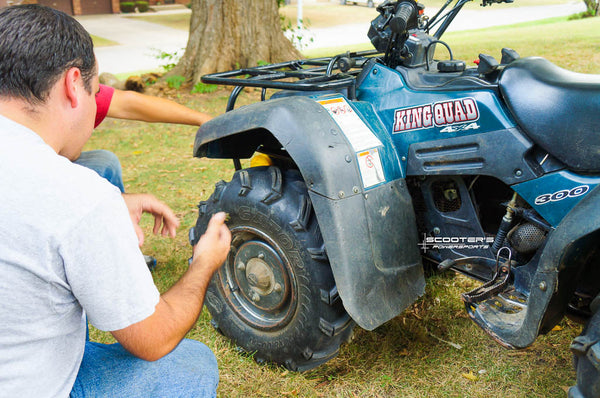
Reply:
x=370, y=235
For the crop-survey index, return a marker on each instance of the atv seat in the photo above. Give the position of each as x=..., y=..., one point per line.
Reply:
x=558, y=109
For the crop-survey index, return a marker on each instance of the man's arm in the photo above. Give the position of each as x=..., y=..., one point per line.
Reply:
x=135, y=106
x=179, y=307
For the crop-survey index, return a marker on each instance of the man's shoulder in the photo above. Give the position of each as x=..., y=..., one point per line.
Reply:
x=46, y=185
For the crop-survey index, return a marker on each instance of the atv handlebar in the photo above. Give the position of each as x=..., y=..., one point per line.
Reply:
x=405, y=14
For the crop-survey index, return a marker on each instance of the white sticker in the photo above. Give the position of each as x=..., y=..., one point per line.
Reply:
x=357, y=132
x=370, y=167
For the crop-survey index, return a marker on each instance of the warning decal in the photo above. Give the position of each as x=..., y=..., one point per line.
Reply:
x=357, y=132
x=370, y=167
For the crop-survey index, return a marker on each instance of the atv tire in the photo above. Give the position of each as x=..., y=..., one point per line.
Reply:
x=586, y=348
x=275, y=295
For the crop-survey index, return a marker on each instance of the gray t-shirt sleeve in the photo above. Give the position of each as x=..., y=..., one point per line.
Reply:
x=106, y=269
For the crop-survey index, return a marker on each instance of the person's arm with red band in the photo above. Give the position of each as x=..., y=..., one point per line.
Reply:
x=132, y=105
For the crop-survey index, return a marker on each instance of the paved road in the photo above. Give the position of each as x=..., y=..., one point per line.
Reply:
x=139, y=41
x=467, y=19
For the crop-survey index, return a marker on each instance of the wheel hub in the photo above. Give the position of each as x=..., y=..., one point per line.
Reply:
x=258, y=281
x=261, y=276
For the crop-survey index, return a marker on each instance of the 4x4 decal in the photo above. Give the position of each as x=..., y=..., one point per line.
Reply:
x=440, y=114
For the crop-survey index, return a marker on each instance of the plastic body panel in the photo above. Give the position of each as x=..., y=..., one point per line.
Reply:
x=396, y=103
x=555, y=194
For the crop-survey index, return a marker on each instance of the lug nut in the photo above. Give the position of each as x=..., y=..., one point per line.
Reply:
x=255, y=297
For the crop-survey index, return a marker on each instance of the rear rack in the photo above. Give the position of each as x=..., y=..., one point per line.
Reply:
x=316, y=74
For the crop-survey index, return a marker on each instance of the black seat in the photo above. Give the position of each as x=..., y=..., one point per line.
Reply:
x=558, y=109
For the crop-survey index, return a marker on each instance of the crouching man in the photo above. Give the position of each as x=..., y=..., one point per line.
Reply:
x=68, y=247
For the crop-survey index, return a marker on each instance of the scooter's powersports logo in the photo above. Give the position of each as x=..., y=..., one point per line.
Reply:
x=440, y=114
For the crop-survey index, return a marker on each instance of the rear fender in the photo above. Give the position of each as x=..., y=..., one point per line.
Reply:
x=572, y=247
x=370, y=235
x=550, y=278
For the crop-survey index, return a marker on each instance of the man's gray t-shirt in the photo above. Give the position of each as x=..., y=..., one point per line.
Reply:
x=67, y=250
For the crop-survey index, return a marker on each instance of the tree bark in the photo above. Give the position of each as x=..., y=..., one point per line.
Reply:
x=232, y=34
x=592, y=6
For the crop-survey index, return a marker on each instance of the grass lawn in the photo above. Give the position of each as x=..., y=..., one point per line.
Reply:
x=331, y=14
x=572, y=44
x=409, y=356
x=322, y=15
x=175, y=21
x=102, y=42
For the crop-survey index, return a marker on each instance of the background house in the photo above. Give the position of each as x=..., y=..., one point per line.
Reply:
x=86, y=7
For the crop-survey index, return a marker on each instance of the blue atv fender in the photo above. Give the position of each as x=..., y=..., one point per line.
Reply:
x=370, y=235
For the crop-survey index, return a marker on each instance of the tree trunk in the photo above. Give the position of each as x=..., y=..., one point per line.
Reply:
x=232, y=34
x=592, y=6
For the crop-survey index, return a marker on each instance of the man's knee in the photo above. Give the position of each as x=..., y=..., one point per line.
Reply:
x=192, y=367
x=197, y=357
x=189, y=370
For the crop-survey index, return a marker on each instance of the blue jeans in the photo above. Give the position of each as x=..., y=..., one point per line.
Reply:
x=105, y=163
x=108, y=370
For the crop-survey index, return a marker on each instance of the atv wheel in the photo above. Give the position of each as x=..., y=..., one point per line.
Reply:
x=275, y=295
x=586, y=348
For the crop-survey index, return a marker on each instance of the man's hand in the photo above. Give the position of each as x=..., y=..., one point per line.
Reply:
x=165, y=221
x=212, y=248
x=179, y=307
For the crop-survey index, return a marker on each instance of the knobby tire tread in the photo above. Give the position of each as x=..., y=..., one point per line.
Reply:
x=320, y=324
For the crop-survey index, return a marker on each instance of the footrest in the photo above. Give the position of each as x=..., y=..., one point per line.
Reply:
x=497, y=306
x=491, y=288
x=494, y=286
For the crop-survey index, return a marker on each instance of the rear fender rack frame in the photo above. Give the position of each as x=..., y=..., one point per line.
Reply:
x=315, y=74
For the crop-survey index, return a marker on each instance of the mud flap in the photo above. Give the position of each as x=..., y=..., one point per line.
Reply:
x=371, y=245
x=370, y=236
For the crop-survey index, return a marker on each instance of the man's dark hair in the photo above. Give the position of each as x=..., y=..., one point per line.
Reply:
x=37, y=45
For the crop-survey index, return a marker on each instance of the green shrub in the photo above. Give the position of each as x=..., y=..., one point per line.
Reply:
x=201, y=88
x=127, y=6
x=175, y=81
x=142, y=6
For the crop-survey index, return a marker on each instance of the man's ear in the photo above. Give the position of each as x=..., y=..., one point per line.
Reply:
x=73, y=85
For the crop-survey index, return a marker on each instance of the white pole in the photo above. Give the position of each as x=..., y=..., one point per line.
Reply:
x=299, y=14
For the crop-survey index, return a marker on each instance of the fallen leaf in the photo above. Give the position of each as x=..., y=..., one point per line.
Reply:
x=470, y=376
x=557, y=328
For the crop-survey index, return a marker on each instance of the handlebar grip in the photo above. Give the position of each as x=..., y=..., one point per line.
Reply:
x=404, y=14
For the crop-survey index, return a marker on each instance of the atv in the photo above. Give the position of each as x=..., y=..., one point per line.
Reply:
x=366, y=166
